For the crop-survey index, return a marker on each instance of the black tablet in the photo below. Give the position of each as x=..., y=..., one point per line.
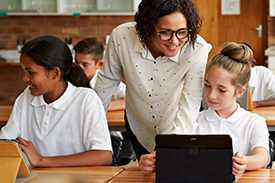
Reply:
x=194, y=158
x=199, y=141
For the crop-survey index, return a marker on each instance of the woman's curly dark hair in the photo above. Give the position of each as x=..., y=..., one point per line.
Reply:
x=150, y=10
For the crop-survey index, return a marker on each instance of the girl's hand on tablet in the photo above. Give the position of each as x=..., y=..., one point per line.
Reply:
x=30, y=151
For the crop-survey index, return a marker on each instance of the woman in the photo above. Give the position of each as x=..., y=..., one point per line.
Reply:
x=163, y=61
x=227, y=74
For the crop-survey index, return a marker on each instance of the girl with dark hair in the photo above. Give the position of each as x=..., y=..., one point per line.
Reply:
x=163, y=60
x=58, y=120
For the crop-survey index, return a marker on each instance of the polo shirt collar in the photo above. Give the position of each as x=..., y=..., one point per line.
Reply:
x=212, y=116
x=142, y=48
x=60, y=103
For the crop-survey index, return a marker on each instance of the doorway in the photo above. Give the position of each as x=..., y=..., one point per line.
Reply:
x=218, y=29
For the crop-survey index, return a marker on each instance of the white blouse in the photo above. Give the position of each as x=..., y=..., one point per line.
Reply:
x=120, y=92
x=163, y=95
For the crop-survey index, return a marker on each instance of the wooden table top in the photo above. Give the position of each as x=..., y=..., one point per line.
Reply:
x=114, y=118
x=266, y=112
x=133, y=174
x=92, y=174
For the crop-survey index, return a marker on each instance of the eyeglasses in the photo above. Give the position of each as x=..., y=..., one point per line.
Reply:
x=167, y=35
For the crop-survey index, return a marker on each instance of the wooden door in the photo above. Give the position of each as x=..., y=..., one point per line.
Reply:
x=218, y=29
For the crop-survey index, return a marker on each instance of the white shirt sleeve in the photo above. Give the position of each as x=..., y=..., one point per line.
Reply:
x=120, y=92
x=107, y=84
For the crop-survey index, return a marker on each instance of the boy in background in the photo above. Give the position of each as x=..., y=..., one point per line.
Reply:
x=89, y=56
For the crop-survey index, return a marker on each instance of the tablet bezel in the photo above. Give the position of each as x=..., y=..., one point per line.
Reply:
x=199, y=141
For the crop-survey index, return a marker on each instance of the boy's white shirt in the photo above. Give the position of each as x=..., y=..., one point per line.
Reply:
x=262, y=83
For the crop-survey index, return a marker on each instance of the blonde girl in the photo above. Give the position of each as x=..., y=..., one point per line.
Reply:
x=227, y=74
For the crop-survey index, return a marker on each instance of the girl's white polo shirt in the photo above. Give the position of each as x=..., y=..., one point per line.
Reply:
x=246, y=129
x=74, y=123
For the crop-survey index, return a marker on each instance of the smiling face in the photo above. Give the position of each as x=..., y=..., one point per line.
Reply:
x=170, y=48
x=219, y=93
x=41, y=82
x=88, y=64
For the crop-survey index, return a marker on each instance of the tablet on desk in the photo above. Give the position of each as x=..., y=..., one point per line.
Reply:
x=194, y=158
x=199, y=141
x=13, y=161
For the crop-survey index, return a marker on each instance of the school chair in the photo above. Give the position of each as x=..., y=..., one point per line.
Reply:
x=128, y=153
x=117, y=150
x=271, y=154
x=249, y=100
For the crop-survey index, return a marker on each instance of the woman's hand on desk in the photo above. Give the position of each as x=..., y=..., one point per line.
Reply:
x=147, y=163
x=28, y=148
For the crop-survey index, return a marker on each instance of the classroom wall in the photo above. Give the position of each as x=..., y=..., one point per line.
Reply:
x=28, y=27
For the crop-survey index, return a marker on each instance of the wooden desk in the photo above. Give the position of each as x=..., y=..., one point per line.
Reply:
x=73, y=174
x=5, y=111
x=133, y=174
x=269, y=114
x=115, y=118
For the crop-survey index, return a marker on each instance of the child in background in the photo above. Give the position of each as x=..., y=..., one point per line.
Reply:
x=262, y=85
x=58, y=120
x=226, y=77
x=89, y=56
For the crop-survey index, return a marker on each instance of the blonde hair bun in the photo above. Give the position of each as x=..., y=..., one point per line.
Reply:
x=237, y=51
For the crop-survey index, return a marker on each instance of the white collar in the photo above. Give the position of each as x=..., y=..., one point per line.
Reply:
x=60, y=103
x=211, y=115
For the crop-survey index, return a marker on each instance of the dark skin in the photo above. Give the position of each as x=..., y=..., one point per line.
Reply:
x=49, y=84
x=86, y=158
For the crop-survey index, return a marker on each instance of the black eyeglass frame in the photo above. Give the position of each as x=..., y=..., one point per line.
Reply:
x=172, y=33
